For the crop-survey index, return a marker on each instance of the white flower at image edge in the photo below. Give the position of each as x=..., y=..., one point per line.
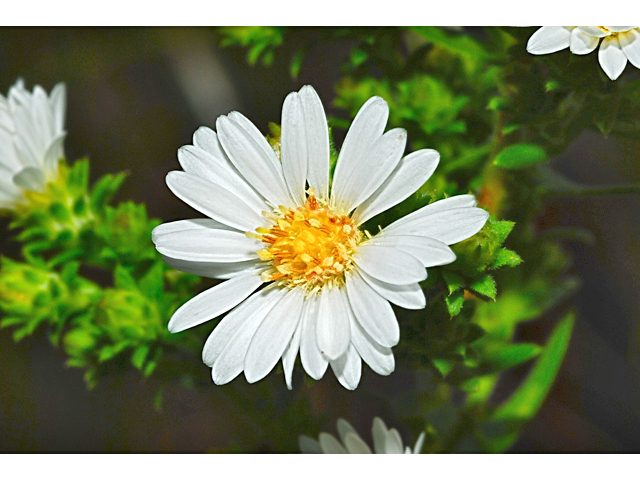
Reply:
x=619, y=44
x=31, y=140
x=384, y=441
x=327, y=283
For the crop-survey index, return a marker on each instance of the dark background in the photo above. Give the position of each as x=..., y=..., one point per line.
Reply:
x=135, y=96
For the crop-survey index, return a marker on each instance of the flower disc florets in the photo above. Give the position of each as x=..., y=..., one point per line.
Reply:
x=310, y=246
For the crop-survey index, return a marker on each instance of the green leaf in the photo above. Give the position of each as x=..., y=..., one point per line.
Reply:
x=506, y=258
x=453, y=280
x=485, y=286
x=498, y=357
x=529, y=397
x=520, y=155
x=459, y=44
x=454, y=303
x=502, y=229
x=296, y=64
x=123, y=279
x=443, y=365
x=139, y=356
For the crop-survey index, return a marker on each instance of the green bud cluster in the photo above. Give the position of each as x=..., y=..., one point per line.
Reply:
x=70, y=225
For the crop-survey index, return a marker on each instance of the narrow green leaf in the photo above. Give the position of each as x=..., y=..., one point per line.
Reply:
x=139, y=356
x=502, y=357
x=520, y=155
x=528, y=398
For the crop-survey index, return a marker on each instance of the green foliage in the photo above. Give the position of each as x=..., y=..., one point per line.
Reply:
x=260, y=42
x=520, y=155
x=70, y=225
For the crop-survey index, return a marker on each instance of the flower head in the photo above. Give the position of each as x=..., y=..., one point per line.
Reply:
x=619, y=44
x=31, y=140
x=384, y=441
x=301, y=274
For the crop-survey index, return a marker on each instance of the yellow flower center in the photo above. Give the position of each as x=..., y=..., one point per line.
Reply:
x=310, y=246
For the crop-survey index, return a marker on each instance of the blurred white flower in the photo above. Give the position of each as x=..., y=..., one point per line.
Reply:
x=619, y=44
x=384, y=441
x=274, y=222
x=31, y=140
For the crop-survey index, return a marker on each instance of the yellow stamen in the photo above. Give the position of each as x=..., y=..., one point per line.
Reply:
x=310, y=246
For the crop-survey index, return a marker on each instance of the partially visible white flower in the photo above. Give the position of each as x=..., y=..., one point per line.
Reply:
x=276, y=223
x=619, y=44
x=31, y=140
x=384, y=441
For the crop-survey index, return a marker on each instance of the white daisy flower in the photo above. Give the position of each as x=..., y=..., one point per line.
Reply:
x=277, y=223
x=384, y=441
x=31, y=140
x=619, y=44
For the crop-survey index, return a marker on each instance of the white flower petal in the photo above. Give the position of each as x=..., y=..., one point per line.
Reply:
x=222, y=271
x=419, y=443
x=372, y=311
x=348, y=368
x=612, y=58
x=317, y=141
x=330, y=444
x=213, y=302
x=255, y=305
x=459, y=201
x=42, y=115
x=250, y=157
x=290, y=354
x=313, y=362
x=630, y=43
x=430, y=252
x=332, y=324
x=379, y=432
x=293, y=145
x=372, y=170
x=259, y=140
x=410, y=174
x=594, y=31
x=582, y=43
x=58, y=103
x=379, y=358
x=30, y=178
x=231, y=360
x=344, y=427
x=222, y=246
x=409, y=296
x=185, y=225
x=214, y=201
x=549, y=40
x=389, y=264
x=199, y=163
x=309, y=445
x=365, y=129
x=53, y=154
x=393, y=442
x=355, y=444
x=449, y=226
x=273, y=335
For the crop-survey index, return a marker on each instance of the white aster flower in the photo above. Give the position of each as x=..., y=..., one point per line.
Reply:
x=619, y=44
x=276, y=223
x=31, y=140
x=384, y=441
